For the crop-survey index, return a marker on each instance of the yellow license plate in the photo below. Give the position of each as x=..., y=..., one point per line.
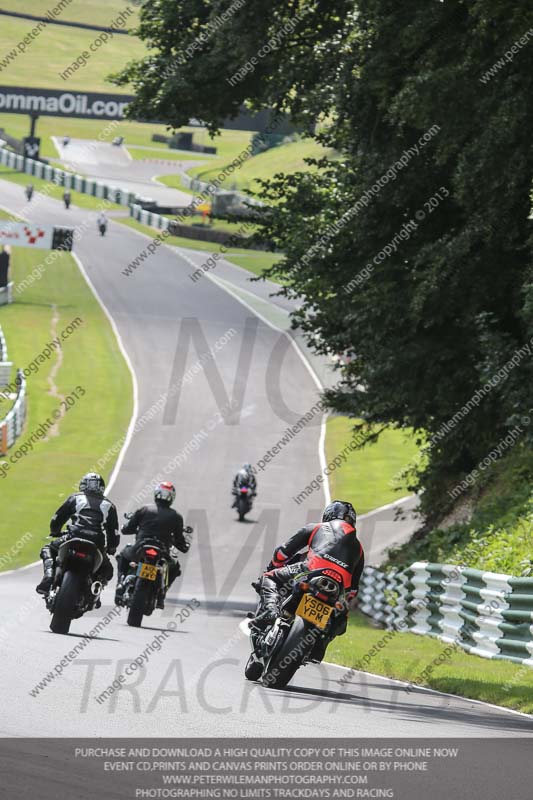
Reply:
x=313, y=610
x=149, y=572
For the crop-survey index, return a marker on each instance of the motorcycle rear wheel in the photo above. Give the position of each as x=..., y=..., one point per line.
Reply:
x=138, y=604
x=66, y=602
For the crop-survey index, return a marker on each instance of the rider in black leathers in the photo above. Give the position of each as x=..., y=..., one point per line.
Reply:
x=159, y=523
x=333, y=544
x=244, y=477
x=92, y=516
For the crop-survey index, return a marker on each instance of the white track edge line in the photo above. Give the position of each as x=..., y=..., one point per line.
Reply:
x=127, y=359
x=243, y=626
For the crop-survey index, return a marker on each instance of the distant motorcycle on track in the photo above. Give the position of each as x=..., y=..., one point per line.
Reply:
x=243, y=501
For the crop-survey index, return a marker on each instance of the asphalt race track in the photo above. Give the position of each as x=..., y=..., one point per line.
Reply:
x=235, y=409
x=113, y=165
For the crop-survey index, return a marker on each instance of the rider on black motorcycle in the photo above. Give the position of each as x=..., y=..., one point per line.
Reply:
x=332, y=543
x=161, y=524
x=244, y=477
x=92, y=516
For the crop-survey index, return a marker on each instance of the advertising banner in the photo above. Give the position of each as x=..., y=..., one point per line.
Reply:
x=54, y=103
x=26, y=234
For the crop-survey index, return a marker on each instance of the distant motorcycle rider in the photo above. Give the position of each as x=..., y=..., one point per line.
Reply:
x=92, y=516
x=332, y=543
x=157, y=522
x=102, y=223
x=244, y=477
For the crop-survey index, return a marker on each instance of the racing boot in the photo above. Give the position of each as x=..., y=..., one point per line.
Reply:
x=48, y=567
x=268, y=609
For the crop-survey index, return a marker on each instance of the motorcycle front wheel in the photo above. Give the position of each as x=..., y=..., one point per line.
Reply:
x=283, y=666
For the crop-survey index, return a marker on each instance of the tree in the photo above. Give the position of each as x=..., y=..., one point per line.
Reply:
x=412, y=250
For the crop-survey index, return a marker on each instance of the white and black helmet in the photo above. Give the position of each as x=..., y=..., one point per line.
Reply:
x=92, y=482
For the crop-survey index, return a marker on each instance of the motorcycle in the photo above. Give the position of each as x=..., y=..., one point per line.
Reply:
x=302, y=631
x=74, y=591
x=102, y=227
x=243, y=501
x=148, y=580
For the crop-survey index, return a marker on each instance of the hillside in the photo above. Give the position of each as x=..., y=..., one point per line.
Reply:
x=287, y=158
x=497, y=535
x=55, y=48
x=96, y=12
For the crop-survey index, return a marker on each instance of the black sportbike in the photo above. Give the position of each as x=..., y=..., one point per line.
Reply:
x=243, y=501
x=147, y=580
x=305, y=626
x=74, y=590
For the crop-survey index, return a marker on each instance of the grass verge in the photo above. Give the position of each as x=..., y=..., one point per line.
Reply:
x=37, y=483
x=366, y=477
x=251, y=260
x=406, y=656
x=499, y=535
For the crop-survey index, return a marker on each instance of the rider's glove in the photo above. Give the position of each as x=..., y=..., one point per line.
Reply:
x=111, y=551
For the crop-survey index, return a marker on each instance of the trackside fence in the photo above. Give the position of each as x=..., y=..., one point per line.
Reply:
x=67, y=180
x=12, y=424
x=484, y=613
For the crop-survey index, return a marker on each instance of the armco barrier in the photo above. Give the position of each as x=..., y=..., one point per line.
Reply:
x=12, y=424
x=484, y=613
x=67, y=180
x=174, y=228
x=3, y=346
x=5, y=365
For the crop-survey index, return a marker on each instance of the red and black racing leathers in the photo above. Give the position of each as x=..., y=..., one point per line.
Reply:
x=330, y=545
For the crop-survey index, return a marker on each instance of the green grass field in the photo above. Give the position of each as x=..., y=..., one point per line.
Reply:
x=365, y=477
x=55, y=49
x=254, y=261
x=287, y=158
x=96, y=12
x=35, y=485
x=406, y=656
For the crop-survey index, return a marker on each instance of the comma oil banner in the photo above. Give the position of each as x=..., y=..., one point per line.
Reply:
x=54, y=103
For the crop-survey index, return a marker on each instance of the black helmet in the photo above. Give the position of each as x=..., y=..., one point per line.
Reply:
x=92, y=482
x=340, y=509
x=165, y=493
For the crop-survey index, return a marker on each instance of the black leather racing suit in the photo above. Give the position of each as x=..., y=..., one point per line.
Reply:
x=243, y=478
x=331, y=545
x=92, y=516
x=159, y=523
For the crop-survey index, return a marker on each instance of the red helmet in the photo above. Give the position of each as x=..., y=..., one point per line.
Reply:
x=165, y=493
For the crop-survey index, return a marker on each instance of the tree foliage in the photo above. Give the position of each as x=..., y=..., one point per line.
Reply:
x=428, y=324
